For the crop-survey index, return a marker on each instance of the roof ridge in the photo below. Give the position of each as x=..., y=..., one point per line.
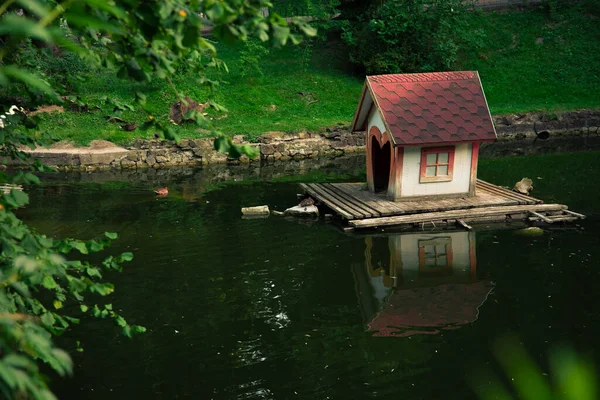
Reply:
x=422, y=77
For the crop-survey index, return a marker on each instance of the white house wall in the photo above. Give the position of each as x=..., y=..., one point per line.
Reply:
x=375, y=120
x=409, y=251
x=412, y=172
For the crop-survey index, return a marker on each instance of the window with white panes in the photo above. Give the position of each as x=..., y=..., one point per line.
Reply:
x=437, y=164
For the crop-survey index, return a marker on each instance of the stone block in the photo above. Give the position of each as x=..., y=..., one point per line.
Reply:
x=150, y=160
x=267, y=149
x=127, y=164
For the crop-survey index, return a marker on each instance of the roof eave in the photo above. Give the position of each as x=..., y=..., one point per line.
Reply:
x=443, y=143
x=359, y=108
x=378, y=107
x=486, y=104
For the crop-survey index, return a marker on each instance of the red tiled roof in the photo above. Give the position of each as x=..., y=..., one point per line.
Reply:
x=430, y=108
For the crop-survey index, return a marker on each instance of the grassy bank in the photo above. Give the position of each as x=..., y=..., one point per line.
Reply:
x=528, y=62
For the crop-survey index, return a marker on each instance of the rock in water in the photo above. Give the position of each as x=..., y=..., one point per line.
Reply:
x=524, y=186
x=300, y=211
x=307, y=202
x=255, y=211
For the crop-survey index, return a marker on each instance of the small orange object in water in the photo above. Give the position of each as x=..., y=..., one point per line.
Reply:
x=162, y=191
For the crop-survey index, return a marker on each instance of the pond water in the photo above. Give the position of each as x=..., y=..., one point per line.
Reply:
x=284, y=309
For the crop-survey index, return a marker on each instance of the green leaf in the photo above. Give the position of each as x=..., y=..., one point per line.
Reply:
x=96, y=311
x=215, y=12
x=28, y=79
x=251, y=152
x=80, y=246
x=94, y=272
x=31, y=179
x=106, y=6
x=222, y=144
x=111, y=235
x=308, y=30
x=140, y=98
x=234, y=152
x=138, y=329
x=35, y=7
x=57, y=304
x=87, y=21
x=61, y=362
x=95, y=246
x=48, y=319
x=170, y=134
x=127, y=256
x=17, y=26
x=48, y=282
x=83, y=307
x=127, y=331
x=20, y=197
x=280, y=34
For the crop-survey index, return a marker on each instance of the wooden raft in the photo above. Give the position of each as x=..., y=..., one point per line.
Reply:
x=363, y=209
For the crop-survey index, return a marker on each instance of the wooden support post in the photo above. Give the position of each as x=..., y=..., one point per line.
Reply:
x=474, y=161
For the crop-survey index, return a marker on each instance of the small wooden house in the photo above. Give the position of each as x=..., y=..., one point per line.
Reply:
x=423, y=133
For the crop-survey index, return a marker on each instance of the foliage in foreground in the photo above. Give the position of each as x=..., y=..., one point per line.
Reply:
x=573, y=376
x=41, y=284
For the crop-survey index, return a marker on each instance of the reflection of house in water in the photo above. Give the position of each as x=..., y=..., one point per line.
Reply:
x=420, y=283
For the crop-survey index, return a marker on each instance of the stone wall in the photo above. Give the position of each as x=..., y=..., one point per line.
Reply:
x=538, y=133
x=517, y=134
x=273, y=146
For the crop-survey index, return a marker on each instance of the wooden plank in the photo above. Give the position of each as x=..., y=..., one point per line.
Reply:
x=464, y=224
x=323, y=195
x=498, y=191
x=381, y=204
x=542, y=217
x=353, y=200
x=562, y=218
x=575, y=214
x=328, y=202
x=347, y=205
x=455, y=214
x=510, y=193
x=384, y=207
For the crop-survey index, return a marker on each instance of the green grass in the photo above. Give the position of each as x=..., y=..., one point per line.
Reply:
x=271, y=102
x=560, y=73
x=518, y=74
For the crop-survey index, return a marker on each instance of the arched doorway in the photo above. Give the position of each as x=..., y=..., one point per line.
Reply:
x=381, y=159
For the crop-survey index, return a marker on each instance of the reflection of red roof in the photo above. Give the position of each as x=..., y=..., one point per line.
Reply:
x=431, y=309
x=431, y=108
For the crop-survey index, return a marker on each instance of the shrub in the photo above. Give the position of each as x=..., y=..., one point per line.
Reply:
x=411, y=35
x=250, y=57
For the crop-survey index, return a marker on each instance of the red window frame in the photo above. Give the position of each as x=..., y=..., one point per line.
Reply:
x=437, y=150
x=437, y=268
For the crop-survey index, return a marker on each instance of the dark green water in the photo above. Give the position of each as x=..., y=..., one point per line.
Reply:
x=281, y=309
